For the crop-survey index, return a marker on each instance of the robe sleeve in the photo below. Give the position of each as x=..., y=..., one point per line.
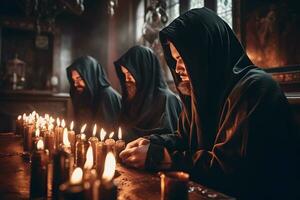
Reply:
x=254, y=131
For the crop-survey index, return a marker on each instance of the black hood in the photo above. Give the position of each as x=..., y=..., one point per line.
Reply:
x=214, y=60
x=99, y=103
x=153, y=100
x=91, y=72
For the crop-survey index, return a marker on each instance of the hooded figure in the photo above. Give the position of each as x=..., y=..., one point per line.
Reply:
x=154, y=108
x=236, y=133
x=94, y=101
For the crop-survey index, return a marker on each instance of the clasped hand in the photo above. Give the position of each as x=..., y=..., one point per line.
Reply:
x=135, y=153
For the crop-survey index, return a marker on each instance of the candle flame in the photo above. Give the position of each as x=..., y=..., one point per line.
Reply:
x=120, y=133
x=82, y=136
x=111, y=134
x=50, y=127
x=40, y=145
x=37, y=133
x=33, y=113
x=83, y=128
x=109, y=167
x=76, y=177
x=89, y=159
x=72, y=126
x=63, y=123
x=94, y=130
x=24, y=116
x=19, y=117
x=47, y=116
x=66, y=141
x=102, y=134
x=57, y=122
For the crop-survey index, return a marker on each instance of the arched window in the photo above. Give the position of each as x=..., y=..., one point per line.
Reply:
x=224, y=10
x=196, y=4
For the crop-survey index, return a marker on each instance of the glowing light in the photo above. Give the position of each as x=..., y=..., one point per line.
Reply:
x=76, y=177
x=63, y=123
x=120, y=133
x=66, y=141
x=37, y=133
x=94, y=130
x=57, y=122
x=19, y=117
x=111, y=135
x=109, y=167
x=102, y=134
x=83, y=128
x=89, y=159
x=72, y=126
x=40, y=145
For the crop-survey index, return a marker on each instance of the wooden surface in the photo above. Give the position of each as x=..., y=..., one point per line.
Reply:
x=132, y=184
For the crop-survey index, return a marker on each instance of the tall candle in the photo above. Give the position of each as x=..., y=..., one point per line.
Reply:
x=39, y=172
x=61, y=132
x=94, y=140
x=81, y=148
x=57, y=131
x=120, y=144
x=29, y=129
x=35, y=139
x=101, y=153
x=63, y=162
x=49, y=140
x=72, y=137
x=73, y=189
x=19, y=124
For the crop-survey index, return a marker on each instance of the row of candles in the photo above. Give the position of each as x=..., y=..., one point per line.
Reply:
x=82, y=168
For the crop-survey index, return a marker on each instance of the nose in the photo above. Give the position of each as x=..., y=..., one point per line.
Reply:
x=128, y=77
x=180, y=69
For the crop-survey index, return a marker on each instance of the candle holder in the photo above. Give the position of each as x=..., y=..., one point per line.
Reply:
x=174, y=185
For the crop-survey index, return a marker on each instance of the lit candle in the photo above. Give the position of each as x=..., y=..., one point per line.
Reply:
x=174, y=185
x=120, y=144
x=39, y=172
x=81, y=148
x=101, y=153
x=57, y=131
x=24, y=117
x=63, y=162
x=49, y=140
x=19, y=124
x=94, y=140
x=72, y=137
x=35, y=139
x=90, y=176
x=73, y=189
x=61, y=134
x=28, y=132
x=110, y=142
x=108, y=189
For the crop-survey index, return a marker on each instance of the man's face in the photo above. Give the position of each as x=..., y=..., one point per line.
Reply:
x=184, y=85
x=78, y=81
x=129, y=82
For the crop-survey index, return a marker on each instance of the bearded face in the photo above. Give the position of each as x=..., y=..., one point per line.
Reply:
x=129, y=82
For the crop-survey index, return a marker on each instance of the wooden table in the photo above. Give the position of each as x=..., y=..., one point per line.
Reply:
x=132, y=184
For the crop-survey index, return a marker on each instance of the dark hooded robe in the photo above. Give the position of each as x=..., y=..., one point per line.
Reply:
x=236, y=133
x=99, y=103
x=154, y=108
